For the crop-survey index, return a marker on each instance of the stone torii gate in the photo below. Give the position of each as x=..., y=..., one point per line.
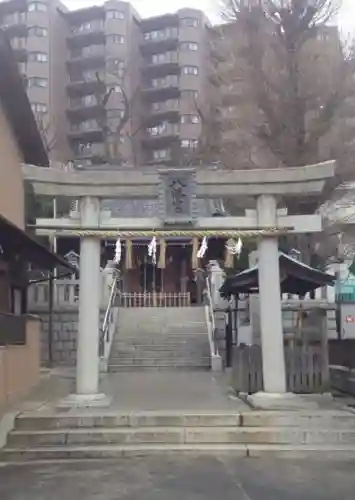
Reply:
x=267, y=188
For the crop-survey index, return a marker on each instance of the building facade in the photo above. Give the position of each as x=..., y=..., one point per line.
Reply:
x=105, y=83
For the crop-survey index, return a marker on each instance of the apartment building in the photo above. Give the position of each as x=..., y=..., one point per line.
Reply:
x=175, y=70
x=103, y=63
x=36, y=30
x=152, y=72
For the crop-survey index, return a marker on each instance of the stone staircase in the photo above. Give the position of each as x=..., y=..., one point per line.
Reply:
x=158, y=338
x=316, y=434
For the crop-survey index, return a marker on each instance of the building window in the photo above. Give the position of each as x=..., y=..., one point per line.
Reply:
x=189, y=46
x=36, y=81
x=85, y=125
x=161, y=34
x=38, y=57
x=192, y=119
x=190, y=70
x=18, y=43
x=160, y=58
x=115, y=88
x=115, y=113
x=116, y=66
x=114, y=14
x=189, y=94
x=37, y=31
x=189, y=143
x=161, y=154
x=37, y=7
x=119, y=39
x=91, y=75
x=165, y=82
x=39, y=108
x=190, y=22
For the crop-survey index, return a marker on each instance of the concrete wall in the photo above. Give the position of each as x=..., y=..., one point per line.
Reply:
x=20, y=365
x=64, y=336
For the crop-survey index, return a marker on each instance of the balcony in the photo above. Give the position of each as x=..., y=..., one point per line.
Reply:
x=161, y=64
x=159, y=136
x=86, y=131
x=164, y=40
x=161, y=89
x=87, y=57
x=84, y=83
x=83, y=107
x=90, y=152
x=159, y=23
x=168, y=110
x=15, y=24
x=88, y=33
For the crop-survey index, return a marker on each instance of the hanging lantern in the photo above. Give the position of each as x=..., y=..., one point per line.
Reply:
x=162, y=253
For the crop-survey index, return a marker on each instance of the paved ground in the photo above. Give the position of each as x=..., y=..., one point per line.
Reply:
x=168, y=391
x=180, y=478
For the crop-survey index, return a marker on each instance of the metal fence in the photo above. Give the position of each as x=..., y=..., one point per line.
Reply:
x=152, y=299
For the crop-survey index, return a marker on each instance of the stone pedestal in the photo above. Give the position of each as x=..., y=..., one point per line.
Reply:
x=270, y=300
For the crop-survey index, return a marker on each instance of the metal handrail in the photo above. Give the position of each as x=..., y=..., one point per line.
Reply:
x=105, y=329
x=211, y=316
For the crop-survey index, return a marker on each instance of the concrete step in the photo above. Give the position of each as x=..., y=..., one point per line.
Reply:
x=181, y=435
x=55, y=453
x=151, y=360
x=171, y=360
x=161, y=350
x=84, y=420
x=158, y=340
x=157, y=367
x=305, y=419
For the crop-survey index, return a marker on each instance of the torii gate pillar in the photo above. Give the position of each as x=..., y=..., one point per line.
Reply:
x=272, y=341
x=87, y=365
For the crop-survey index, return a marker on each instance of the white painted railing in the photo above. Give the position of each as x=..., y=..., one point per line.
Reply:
x=216, y=360
x=155, y=299
x=65, y=294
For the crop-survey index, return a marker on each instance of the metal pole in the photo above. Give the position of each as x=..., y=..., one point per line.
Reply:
x=50, y=318
x=229, y=338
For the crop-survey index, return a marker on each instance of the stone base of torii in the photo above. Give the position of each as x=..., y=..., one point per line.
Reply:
x=268, y=187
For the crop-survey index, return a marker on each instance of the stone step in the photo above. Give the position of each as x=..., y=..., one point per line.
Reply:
x=116, y=355
x=158, y=349
x=159, y=340
x=315, y=419
x=153, y=368
x=55, y=453
x=84, y=420
x=181, y=435
x=144, y=333
x=151, y=360
x=157, y=367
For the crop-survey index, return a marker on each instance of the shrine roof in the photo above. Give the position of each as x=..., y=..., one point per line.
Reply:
x=296, y=278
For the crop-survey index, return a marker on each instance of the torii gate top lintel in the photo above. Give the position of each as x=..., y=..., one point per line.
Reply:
x=134, y=183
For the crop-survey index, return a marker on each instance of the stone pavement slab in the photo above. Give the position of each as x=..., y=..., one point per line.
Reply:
x=153, y=391
x=179, y=478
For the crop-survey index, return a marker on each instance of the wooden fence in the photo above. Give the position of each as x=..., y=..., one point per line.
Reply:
x=151, y=299
x=307, y=369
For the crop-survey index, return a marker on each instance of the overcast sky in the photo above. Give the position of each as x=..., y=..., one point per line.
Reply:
x=211, y=7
